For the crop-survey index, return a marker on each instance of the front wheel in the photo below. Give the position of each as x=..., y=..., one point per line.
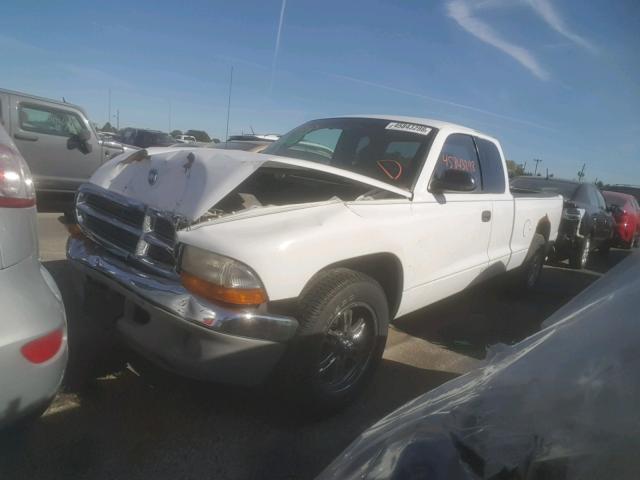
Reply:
x=344, y=318
x=580, y=256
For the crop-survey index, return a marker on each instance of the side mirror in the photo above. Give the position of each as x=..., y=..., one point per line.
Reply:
x=80, y=141
x=453, y=180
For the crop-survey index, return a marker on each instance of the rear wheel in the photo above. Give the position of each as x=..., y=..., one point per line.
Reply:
x=343, y=318
x=531, y=269
x=580, y=256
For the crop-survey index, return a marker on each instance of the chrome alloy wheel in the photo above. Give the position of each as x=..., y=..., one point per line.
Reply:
x=347, y=347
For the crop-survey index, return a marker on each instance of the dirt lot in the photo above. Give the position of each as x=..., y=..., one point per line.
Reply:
x=146, y=424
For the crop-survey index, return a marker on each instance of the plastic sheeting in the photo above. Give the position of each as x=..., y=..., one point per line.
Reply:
x=562, y=404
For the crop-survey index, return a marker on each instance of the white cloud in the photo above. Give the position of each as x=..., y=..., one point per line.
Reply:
x=277, y=49
x=463, y=13
x=545, y=9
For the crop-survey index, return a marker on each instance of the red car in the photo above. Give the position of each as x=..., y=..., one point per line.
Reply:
x=626, y=212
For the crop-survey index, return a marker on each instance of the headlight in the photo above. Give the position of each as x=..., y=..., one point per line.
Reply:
x=220, y=278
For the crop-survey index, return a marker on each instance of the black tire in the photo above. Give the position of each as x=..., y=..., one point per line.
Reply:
x=580, y=256
x=334, y=299
x=531, y=269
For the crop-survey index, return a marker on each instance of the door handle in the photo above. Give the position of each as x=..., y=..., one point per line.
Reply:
x=26, y=136
x=486, y=215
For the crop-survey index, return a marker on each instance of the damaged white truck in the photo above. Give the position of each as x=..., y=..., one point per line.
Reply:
x=290, y=264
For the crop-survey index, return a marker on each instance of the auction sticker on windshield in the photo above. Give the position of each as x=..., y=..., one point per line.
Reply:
x=409, y=127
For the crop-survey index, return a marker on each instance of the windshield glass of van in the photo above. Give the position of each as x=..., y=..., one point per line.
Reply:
x=385, y=150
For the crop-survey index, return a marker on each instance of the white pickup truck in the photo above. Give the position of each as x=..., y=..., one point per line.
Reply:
x=237, y=267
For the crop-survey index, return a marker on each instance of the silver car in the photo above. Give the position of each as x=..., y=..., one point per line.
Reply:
x=33, y=330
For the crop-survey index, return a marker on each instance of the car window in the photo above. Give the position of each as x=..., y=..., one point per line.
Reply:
x=491, y=166
x=459, y=153
x=320, y=143
x=50, y=121
x=385, y=150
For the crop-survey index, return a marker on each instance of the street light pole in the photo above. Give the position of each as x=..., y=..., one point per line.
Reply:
x=537, y=160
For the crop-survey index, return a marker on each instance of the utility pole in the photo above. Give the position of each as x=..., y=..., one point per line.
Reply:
x=581, y=172
x=229, y=104
x=524, y=168
x=537, y=160
x=109, y=116
x=117, y=117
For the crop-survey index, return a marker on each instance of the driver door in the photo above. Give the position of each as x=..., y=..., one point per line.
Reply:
x=450, y=249
x=40, y=131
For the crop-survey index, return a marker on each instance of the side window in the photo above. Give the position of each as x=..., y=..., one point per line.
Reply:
x=50, y=121
x=459, y=153
x=492, y=169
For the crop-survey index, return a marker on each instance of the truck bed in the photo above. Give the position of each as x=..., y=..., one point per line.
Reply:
x=525, y=192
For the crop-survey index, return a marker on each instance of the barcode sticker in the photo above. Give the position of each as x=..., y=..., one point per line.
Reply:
x=409, y=127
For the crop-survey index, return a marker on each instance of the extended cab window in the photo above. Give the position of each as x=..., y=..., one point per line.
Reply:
x=50, y=121
x=385, y=150
x=459, y=153
x=492, y=169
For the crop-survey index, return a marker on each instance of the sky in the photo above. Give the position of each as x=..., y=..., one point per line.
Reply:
x=556, y=80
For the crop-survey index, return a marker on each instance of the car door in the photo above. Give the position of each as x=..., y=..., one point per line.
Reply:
x=41, y=131
x=494, y=189
x=452, y=228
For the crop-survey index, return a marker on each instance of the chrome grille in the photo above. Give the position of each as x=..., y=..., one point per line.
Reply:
x=128, y=228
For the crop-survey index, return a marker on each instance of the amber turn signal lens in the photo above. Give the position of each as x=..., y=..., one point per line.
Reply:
x=211, y=291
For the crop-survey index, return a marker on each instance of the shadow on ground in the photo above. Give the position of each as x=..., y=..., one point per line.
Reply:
x=491, y=313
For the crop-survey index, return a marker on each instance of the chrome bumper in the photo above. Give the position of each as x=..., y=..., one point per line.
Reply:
x=169, y=295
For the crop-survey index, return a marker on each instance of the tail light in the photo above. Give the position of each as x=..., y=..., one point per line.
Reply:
x=16, y=184
x=44, y=348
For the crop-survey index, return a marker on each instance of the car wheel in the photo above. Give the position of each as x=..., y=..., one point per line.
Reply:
x=344, y=318
x=533, y=267
x=580, y=256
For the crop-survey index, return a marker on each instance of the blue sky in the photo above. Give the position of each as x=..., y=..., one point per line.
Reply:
x=552, y=79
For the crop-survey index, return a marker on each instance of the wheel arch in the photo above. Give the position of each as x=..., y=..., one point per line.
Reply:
x=384, y=267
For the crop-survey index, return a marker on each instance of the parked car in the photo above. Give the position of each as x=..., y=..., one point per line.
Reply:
x=33, y=335
x=626, y=212
x=586, y=224
x=561, y=404
x=233, y=266
x=56, y=139
x=143, y=138
x=628, y=189
x=186, y=138
x=256, y=146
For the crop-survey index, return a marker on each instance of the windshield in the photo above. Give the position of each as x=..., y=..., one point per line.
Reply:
x=566, y=189
x=385, y=150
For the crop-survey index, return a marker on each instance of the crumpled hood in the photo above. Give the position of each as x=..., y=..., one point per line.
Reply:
x=189, y=181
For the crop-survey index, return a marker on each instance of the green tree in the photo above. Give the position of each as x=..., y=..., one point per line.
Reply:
x=514, y=169
x=201, y=135
x=176, y=133
x=107, y=127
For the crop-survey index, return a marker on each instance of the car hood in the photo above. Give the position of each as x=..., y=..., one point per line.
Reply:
x=189, y=181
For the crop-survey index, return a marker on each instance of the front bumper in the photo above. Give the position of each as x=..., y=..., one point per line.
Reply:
x=181, y=332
